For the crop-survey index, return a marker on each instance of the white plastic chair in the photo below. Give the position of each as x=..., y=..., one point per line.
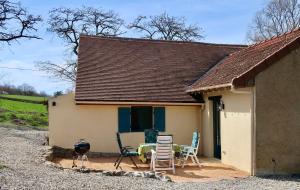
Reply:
x=191, y=151
x=163, y=153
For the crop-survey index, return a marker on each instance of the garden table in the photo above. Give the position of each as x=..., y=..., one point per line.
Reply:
x=144, y=150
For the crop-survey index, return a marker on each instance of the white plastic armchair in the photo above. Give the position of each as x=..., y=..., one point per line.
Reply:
x=191, y=151
x=163, y=153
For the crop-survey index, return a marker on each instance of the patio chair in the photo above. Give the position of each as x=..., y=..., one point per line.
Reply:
x=191, y=151
x=125, y=151
x=164, y=153
x=150, y=135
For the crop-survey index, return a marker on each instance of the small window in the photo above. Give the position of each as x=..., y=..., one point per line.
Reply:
x=141, y=118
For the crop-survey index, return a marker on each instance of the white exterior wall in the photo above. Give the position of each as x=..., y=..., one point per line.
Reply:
x=98, y=124
x=235, y=126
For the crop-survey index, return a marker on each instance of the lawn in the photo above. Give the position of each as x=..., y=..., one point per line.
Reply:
x=33, y=98
x=23, y=114
x=22, y=106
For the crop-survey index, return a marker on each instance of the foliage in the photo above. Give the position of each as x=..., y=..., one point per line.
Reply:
x=278, y=17
x=166, y=27
x=23, y=89
x=16, y=22
x=57, y=93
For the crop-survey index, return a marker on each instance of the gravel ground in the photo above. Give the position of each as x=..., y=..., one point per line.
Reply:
x=21, y=155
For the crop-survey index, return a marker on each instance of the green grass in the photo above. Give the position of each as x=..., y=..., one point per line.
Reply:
x=33, y=98
x=22, y=106
x=23, y=114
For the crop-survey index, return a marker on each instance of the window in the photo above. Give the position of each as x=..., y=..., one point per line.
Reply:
x=139, y=118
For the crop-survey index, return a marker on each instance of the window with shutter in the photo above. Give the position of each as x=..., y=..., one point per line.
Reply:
x=159, y=119
x=139, y=118
x=124, y=119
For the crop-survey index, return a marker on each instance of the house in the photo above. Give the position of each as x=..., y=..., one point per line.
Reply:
x=242, y=99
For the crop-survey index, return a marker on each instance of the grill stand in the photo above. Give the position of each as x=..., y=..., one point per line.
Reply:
x=82, y=158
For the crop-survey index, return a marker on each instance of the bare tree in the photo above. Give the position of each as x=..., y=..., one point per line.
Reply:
x=68, y=24
x=166, y=27
x=27, y=89
x=278, y=17
x=16, y=22
x=65, y=72
x=102, y=23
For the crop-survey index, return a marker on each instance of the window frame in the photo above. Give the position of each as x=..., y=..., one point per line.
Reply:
x=131, y=116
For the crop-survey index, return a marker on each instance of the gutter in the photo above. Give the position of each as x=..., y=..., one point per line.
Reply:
x=138, y=103
x=236, y=91
x=210, y=88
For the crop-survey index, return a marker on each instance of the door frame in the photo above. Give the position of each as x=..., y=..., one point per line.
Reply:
x=216, y=125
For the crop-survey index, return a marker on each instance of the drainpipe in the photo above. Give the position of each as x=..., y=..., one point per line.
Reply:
x=253, y=136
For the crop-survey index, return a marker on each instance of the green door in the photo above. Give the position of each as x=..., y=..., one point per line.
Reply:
x=216, y=126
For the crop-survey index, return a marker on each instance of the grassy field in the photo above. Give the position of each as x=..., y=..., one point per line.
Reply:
x=22, y=113
x=33, y=98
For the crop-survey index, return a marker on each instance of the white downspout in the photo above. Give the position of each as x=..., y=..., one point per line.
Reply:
x=253, y=149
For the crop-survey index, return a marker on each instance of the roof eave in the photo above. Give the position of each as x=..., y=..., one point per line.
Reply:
x=210, y=88
x=242, y=80
x=78, y=102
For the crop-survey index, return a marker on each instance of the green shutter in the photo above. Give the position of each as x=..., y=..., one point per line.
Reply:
x=124, y=119
x=159, y=119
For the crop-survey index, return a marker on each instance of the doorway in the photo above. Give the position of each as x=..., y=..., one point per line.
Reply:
x=216, y=126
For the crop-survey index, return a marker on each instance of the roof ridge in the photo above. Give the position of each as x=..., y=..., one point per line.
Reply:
x=268, y=57
x=158, y=41
x=276, y=37
x=267, y=40
x=245, y=64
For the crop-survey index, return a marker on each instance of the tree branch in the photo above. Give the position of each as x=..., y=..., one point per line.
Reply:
x=166, y=27
x=12, y=15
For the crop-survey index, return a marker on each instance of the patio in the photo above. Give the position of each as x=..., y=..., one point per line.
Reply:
x=211, y=170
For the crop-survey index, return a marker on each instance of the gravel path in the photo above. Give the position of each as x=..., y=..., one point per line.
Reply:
x=21, y=154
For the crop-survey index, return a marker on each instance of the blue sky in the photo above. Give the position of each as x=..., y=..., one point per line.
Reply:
x=223, y=21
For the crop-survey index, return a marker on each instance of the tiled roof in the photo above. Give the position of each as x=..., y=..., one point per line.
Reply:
x=125, y=69
x=241, y=66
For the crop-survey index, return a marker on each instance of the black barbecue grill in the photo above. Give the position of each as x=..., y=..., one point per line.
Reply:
x=80, y=150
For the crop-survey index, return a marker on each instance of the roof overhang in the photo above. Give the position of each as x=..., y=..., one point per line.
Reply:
x=138, y=103
x=242, y=80
x=211, y=88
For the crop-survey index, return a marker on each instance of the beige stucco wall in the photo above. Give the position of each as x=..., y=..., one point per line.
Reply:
x=99, y=123
x=236, y=127
x=278, y=117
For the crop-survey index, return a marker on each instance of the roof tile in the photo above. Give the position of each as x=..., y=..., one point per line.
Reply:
x=124, y=69
x=240, y=62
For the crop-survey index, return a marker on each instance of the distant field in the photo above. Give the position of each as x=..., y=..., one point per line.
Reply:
x=23, y=113
x=22, y=106
x=33, y=98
